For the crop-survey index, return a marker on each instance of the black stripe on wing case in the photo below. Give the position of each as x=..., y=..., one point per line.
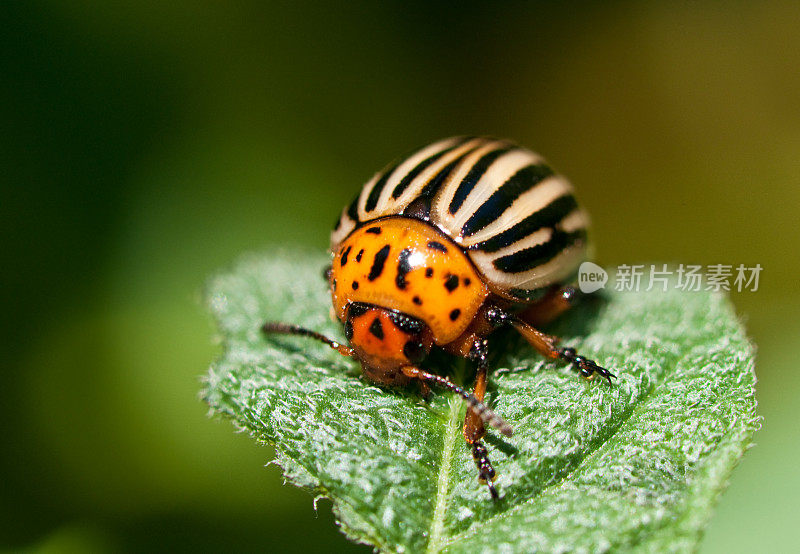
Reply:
x=474, y=174
x=420, y=167
x=435, y=183
x=501, y=199
x=535, y=256
x=546, y=217
x=375, y=193
x=352, y=209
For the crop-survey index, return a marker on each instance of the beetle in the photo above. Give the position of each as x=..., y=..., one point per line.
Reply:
x=441, y=248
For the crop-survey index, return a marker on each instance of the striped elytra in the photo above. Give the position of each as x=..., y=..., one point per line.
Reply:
x=516, y=218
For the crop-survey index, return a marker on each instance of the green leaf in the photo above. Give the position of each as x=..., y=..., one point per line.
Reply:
x=590, y=467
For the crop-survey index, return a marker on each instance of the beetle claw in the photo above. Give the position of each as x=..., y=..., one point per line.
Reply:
x=587, y=368
x=492, y=491
x=486, y=472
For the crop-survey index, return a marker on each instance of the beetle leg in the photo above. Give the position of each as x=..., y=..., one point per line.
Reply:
x=485, y=469
x=546, y=344
x=588, y=368
x=286, y=329
x=473, y=426
x=487, y=415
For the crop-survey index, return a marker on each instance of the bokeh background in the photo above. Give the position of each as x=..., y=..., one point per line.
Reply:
x=146, y=145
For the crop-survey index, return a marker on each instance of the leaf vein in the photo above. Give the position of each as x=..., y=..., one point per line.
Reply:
x=435, y=543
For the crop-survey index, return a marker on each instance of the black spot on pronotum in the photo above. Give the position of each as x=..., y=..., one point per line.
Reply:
x=414, y=351
x=451, y=283
x=378, y=263
x=355, y=285
x=417, y=300
x=376, y=328
x=403, y=267
x=374, y=230
x=437, y=246
x=454, y=314
x=429, y=272
x=360, y=253
x=344, y=255
x=348, y=329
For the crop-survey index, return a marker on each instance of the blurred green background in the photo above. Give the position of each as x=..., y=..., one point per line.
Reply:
x=146, y=145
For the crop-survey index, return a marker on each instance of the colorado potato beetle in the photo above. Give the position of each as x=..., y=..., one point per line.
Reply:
x=445, y=246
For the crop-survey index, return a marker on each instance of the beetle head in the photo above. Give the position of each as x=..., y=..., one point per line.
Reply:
x=385, y=340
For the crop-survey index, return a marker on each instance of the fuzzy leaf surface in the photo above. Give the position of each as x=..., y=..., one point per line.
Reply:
x=591, y=467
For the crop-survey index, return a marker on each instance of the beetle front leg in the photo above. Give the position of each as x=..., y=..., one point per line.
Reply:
x=546, y=345
x=473, y=426
x=474, y=347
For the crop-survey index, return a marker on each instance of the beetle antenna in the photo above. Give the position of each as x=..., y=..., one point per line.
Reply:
x=487, y=415
x=286, y=329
